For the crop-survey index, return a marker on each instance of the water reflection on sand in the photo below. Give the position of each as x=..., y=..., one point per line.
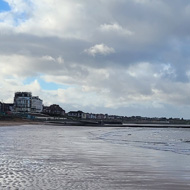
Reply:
x=77, y=158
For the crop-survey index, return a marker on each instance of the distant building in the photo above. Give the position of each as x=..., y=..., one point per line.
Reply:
x=77, y=114
x=54, y=110
x=22, y=101
x=46, y=110
x=100, y=116
x=5, y=108
x=112, y=117
x=83, y=116
x=91, y=116
x=1, y=107
x=8, y=107
x=25, y=102
x=36, y=104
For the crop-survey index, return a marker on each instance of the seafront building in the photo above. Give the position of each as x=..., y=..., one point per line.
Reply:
x=22, y=101
x=54, y=110
x=4, y=107
x=36, y=104
x=77, y=114
x=25, y=102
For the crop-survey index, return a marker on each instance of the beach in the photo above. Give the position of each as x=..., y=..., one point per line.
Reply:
x=18, y=122
x=76, y=158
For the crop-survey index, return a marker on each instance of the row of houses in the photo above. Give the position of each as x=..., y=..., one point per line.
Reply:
x=24, y=102
x=82, y=115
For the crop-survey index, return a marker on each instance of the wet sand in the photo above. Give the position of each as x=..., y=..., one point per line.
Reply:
x=74, y=158
x=18, y=122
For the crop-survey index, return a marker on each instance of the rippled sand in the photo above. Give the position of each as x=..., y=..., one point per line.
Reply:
x=74, y=158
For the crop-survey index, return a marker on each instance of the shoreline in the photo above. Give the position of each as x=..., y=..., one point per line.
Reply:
x=19, y=122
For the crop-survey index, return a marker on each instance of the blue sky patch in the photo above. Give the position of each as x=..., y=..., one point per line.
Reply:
x=4, y=6
x=45, y=85
x=20, y=18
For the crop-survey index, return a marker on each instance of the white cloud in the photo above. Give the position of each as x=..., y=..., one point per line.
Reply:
x=44, y=39
x=47, y=58
x=59, y=59
x=100, y=49
x=115, y=28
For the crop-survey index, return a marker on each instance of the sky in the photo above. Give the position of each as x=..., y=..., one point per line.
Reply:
x=122, y=57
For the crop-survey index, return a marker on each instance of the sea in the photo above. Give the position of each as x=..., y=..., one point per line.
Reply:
x=175, y=140
x=46, y=157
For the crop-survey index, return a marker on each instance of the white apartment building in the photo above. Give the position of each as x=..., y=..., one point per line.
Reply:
x=22, y=101
x=25, y=102
x=36, y=104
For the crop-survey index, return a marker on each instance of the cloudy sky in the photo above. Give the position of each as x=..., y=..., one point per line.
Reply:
x=124, y=57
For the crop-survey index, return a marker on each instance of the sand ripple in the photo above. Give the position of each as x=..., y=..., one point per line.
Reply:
x=56, y=158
